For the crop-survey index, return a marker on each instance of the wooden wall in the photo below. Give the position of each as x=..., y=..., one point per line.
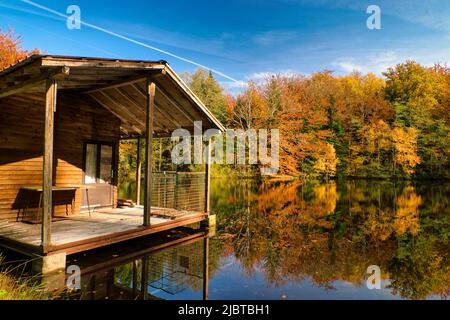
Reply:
x=78, y=119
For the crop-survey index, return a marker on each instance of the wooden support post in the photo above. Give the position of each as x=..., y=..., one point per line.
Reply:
x=160, y=155
x=135, y=278
x=149, y=149
x=138, y=172
x=47, y=173
x=205, y=268
x=208, y=176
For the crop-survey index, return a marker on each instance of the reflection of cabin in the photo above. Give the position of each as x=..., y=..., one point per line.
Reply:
x=177, y=269
x=157, y=266
x=61, y=120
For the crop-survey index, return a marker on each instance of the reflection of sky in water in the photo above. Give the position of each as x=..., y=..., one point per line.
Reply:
x=231, y=282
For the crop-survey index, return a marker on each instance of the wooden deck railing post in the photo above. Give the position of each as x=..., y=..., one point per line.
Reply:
x=151, y=88
x=205, y=268
x=135, y=278
x=138, y=172
x=144, y=278
x=47, y=173
x=208, y=176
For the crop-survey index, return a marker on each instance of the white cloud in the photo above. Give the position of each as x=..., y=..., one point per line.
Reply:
x=233, y=85
x=380, y=61
x=274, y=37
x=377, y=62
x=384, y=57
x=259, y=77
x=348, y=65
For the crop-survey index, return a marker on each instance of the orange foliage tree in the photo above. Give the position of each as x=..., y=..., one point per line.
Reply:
x=11, y=50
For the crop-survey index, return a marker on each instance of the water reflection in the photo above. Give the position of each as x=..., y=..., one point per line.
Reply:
x=158, y=267
x=331, y=232
x=290, y=240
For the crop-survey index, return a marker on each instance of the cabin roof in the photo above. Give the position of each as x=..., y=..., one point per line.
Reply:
x=117, y=85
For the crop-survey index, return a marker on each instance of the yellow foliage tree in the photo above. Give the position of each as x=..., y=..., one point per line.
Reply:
x=405, y=148
x=327, y=161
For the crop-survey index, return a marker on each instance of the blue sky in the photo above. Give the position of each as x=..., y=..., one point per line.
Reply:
x=244, y=39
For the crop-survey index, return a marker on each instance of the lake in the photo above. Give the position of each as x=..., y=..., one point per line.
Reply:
x=292, y=240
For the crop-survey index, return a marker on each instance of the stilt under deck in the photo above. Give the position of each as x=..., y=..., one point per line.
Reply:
x=86, y=231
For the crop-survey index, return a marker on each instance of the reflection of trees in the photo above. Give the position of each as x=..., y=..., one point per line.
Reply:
x=293, y=231
x=407, y=213
x=385, y=214
x=420, y=267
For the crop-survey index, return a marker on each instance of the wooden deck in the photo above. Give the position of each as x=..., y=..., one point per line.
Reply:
x=88, y=231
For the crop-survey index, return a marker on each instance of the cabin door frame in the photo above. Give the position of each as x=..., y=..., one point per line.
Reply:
x=99, y=173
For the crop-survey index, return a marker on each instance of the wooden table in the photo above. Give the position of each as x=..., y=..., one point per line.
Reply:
x=39, y=190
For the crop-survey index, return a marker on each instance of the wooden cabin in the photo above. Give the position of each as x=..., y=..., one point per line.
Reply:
x=61, y=121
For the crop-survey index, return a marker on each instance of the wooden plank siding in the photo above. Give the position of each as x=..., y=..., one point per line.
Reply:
x=77, y=119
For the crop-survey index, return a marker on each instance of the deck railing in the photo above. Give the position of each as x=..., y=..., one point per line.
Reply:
x=179, y=190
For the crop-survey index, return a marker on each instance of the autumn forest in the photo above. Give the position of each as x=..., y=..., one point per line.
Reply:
x=358, y=125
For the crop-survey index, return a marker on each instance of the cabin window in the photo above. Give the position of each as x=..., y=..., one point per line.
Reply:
x=98, y=163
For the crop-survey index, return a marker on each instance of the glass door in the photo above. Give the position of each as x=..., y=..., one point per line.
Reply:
x=98, y=174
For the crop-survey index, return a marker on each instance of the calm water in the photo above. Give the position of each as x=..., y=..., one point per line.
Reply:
x=293, y=241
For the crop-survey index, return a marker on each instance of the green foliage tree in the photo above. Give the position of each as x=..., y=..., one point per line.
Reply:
x=420, y=99
x=209, y=91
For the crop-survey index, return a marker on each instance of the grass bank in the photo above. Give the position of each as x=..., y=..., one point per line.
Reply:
x=15, y=285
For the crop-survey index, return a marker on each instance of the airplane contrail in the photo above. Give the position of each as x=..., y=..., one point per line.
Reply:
x=117, y=35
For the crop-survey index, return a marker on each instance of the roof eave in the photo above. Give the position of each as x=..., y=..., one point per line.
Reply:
x=68, y=61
